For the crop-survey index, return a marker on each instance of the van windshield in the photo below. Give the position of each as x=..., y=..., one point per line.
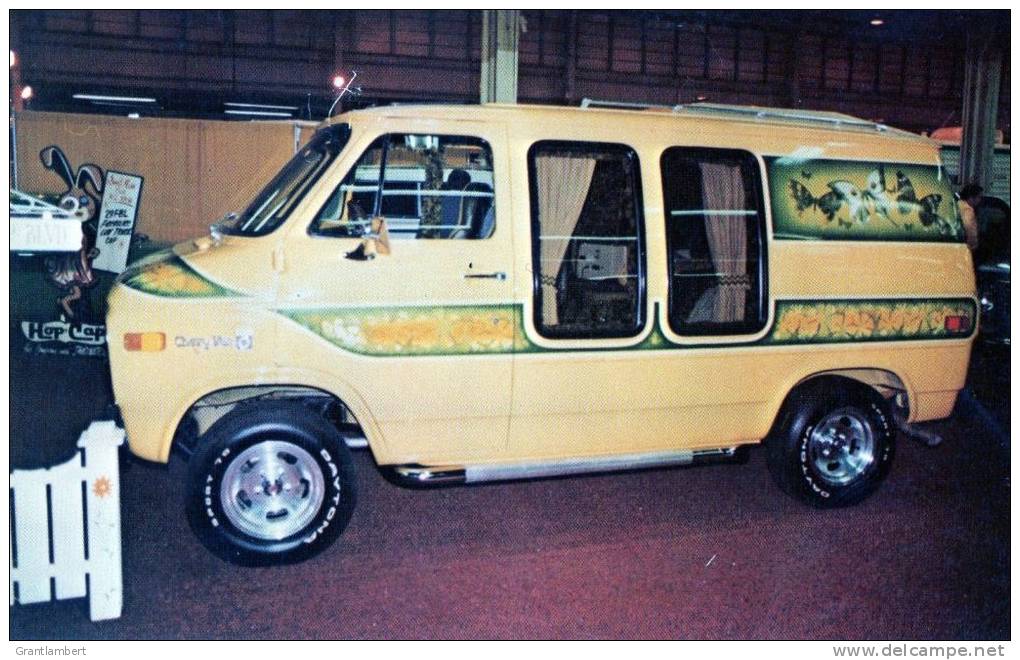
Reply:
x=275, y=202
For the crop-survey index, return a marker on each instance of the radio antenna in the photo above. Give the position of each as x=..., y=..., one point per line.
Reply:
x=343, y=86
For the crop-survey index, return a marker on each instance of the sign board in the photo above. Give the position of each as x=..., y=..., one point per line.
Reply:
x=64, y=338
x=117, y=215
x=38, y=226
x=45, y=234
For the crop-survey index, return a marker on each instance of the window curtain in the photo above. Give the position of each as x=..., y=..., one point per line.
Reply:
x=563, y=183
x=723, y=189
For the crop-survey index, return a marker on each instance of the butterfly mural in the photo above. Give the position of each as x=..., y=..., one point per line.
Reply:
x=851, y=205
x=841, y=194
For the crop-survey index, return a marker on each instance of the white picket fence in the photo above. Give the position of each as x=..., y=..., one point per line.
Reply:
x=65, y=527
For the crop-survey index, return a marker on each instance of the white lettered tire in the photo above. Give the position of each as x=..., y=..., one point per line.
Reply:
x=833, y=443
x=270, y=483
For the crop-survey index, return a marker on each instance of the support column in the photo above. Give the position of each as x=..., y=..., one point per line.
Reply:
x=570, y=92
x=982, y=77
x=500, y=31
x=793, y=66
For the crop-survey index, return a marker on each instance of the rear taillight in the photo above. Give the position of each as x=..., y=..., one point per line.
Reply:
x=957, y=324
x=149, y=342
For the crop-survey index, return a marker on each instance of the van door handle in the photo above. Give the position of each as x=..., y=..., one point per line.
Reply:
x=499, y=275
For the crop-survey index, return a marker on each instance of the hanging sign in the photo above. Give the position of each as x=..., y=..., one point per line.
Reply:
x=117, y=215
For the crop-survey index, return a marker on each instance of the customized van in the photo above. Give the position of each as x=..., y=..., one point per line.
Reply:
x=485, y=293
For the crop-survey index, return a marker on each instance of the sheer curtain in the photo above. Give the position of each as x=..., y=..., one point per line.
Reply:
x=722, y=190
x=563, y=183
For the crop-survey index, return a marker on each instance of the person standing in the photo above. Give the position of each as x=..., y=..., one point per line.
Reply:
x=970, y=197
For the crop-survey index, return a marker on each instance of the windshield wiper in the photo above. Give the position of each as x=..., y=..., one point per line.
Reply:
x=216, y=229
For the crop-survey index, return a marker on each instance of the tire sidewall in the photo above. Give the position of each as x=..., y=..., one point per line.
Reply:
x=225, y=441
x=809, y=485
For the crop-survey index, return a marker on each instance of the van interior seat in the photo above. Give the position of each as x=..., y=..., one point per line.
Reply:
x=474, y=218
x=449, y=205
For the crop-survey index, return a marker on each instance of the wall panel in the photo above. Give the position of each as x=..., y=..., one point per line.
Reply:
x=195, y=170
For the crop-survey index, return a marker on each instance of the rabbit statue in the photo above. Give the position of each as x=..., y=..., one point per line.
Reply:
x=73, y=272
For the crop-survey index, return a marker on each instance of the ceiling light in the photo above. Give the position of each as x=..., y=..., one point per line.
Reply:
x=257, y=113
x=339, y=81
x=876, y=22
x=126, y=99
x=260, y=106
x=26, y=92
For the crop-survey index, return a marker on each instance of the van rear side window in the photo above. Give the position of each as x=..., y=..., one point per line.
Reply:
x=715, y=227
x=588, y=242
x=425, y=186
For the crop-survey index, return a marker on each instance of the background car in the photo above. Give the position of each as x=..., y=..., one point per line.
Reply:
x=991, y=262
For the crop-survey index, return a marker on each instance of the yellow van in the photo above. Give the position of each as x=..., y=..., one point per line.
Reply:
x=483, y=293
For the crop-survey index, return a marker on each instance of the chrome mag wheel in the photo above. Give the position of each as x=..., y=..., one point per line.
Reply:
x=272, y=490
x=841, y=447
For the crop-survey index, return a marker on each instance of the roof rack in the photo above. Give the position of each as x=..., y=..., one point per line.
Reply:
x=596, y=103
x=832, y=119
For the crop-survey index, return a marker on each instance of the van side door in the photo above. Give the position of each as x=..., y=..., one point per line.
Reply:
x=578, y=377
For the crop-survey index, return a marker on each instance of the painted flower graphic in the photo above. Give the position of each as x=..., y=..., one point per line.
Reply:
x=482, y=330
x=400, y=334
x=175, y=279
x=912, y=321
x=858, y=323
x=800, y=322
x=937, y=318
x=102, y=487
x=809, y=325
x=790, y=322
x=836, y=324
x=890, y=321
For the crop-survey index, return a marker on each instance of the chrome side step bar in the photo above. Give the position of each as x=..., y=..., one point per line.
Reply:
x=420, y=475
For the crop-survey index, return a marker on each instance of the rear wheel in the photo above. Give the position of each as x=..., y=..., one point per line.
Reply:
x=833, y=444
x=270, y=483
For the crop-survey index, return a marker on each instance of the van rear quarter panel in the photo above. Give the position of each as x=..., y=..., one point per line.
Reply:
x=932, y=370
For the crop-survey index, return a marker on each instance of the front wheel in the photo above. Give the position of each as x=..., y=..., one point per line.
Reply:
x=270, y=483
x=833, y=445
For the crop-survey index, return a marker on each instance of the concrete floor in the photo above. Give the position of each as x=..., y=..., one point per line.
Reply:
x=705, y=553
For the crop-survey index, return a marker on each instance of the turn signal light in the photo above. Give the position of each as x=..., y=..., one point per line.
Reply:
x=149, y=342
x=957, y=324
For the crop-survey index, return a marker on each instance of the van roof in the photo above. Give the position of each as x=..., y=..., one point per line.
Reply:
x=748, y=115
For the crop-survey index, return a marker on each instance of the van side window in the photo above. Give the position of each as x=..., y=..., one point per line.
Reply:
x=588, y=244
x=715, y=226
x=425, y=186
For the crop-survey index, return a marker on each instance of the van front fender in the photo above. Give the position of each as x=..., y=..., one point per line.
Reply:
x=255, y=378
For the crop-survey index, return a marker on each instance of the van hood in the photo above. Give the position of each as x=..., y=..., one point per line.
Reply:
x=184, y=250
x=199, y=268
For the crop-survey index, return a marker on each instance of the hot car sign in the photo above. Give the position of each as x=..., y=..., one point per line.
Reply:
x=121, y=196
